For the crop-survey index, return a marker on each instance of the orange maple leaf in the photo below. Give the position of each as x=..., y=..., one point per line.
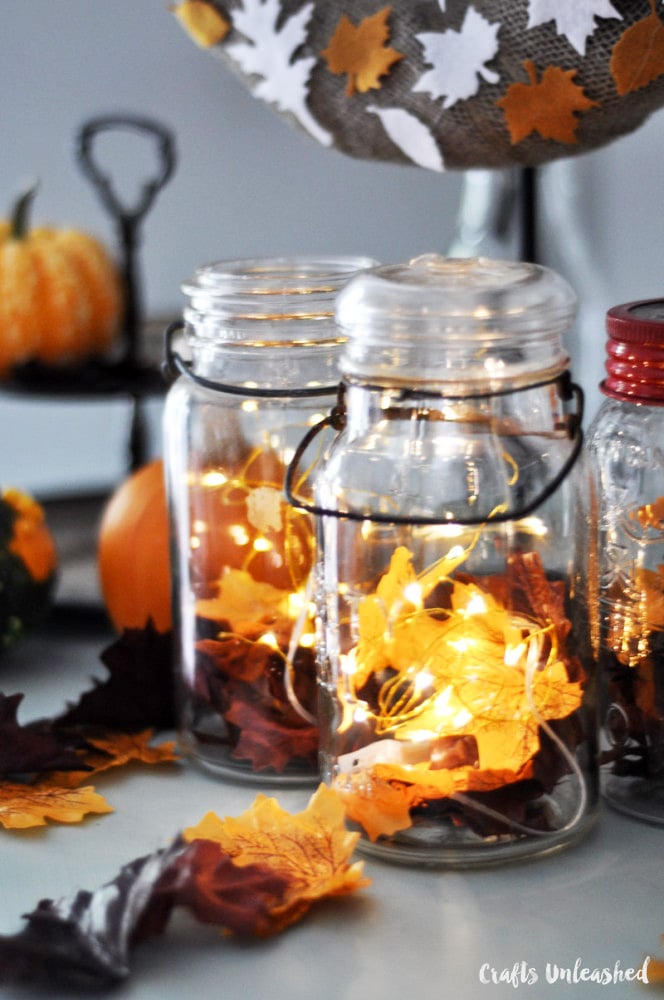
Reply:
x=549, y=106
x=379, y=806
x=122, y=748
x=361, y=51
x=312, y=849
x=113, y=749
x=638, y=55
x=202, y=21
x=23, y=806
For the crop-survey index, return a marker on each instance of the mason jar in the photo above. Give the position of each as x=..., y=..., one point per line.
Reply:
x=255, y=362
x=457, y=688
x=626, y=447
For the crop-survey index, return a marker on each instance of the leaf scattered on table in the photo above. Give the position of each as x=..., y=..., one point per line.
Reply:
x=138, y=691
x=312, y=849
x=30, y=749
x=86, y=939
x=361, y=51
x=24, y=806
x=252, y=876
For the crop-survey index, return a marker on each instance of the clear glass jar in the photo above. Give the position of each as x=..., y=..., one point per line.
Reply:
x=457, y=705
x=626, y=446
x=262, y=349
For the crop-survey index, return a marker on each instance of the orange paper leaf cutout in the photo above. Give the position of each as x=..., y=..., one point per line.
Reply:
x=638, y=55
x=312, y=849
x=202, y=21
x=361, y=51
x=23, y=806
x=548, y=107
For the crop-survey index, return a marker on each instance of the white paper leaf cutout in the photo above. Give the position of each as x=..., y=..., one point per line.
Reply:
x=457, y=59
x=574, y=18
x=411, y=136
x=268, y=53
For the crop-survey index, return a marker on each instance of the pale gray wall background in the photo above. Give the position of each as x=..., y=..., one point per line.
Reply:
x=248, y=184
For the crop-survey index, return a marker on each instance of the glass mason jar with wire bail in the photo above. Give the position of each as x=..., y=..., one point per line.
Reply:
x=457, y=690
x=262, y=352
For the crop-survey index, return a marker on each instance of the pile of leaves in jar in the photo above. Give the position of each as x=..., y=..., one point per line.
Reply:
x=254, y=687
x=456, y=710
x=632, y=658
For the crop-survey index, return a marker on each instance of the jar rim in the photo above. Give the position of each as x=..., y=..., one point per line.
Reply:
x=228, y=281
x=441, y=318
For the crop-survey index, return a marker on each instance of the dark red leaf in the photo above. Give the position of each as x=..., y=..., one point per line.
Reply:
x=138, y=693
x=31, y=749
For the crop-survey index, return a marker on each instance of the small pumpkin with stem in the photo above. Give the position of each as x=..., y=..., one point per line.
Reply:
x=60, y=293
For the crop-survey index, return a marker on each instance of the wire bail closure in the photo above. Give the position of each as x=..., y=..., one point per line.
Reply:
x=174, y=365
x=336, y=419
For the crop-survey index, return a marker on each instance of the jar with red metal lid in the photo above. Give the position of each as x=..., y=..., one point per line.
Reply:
x=626, y=448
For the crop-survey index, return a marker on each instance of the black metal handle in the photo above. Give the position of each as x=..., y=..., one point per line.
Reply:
x=337, y=420
x=127, y=217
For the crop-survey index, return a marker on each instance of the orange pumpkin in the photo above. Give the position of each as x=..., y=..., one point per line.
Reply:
x=133, y=552
x=60, y=293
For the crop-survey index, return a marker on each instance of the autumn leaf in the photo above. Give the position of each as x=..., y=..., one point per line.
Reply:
x=30, y=749
x=24, y=806
x=137, y=693
x=270, y=742
x=638, y=55
x=548, y=107
x=202, y=21
x=239, y=899
x=361, y=51
x=379, y=806
x=116, y=749
x=312, y=849
x=86, y=939
x=254, y=875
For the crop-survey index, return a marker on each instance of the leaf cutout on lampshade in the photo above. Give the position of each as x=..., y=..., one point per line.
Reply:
x=202, y=21
x=548, y=106
x=411, y=136
x=458, y=59
x=269, y=53
x=361, y=52
x=638, y=56
x=575, y=19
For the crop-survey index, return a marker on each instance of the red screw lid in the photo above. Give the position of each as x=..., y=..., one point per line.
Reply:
x=635, y=352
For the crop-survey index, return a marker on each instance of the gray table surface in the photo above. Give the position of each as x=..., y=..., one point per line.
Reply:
x=412, y=935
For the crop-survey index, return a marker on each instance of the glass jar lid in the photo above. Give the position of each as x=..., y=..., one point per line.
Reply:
x=472, y=324
x=228, y=297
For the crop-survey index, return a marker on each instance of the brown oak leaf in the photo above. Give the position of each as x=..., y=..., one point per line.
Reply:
x=23, y=806
x=361, y=51
x=638, y=55
x=548, y=106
